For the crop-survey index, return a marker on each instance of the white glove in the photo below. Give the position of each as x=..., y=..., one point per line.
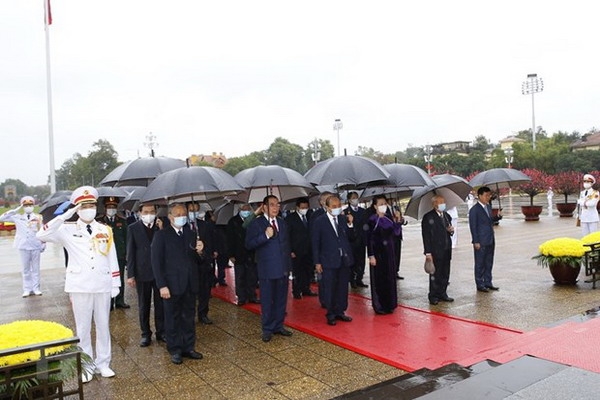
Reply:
x=114, y=292
x=70, y=212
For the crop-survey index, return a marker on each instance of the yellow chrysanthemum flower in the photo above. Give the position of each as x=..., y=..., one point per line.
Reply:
x=25, y=333
x=593, y=237
x=563, y=247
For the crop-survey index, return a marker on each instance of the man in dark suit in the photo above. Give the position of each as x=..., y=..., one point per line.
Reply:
x=481, y=224
x=358, y=244
x=242, y=259
x=437, y=230
x=205, y=233
x=268, y=236
x=302, y=265
x=140, y=275
x=332, y=256
x=316, y=214
x=176, y=258
x=118, y=225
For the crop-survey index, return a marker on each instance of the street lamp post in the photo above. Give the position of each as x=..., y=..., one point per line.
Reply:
x=337, y=125
x=509, y=156
x=428, y=157
x=531, y=86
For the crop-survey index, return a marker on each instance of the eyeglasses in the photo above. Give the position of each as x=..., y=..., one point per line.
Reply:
x=588, y=181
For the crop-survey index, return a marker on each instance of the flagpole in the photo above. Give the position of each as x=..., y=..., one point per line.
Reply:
x=47, y=22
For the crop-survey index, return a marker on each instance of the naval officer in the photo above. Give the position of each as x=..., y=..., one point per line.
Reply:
x=92, y=274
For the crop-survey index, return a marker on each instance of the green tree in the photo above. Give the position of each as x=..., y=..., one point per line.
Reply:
x=286, y=154
x=324, y=148
x=237, y=164
x=89, y=170
x=373, y=154
x=481, y=143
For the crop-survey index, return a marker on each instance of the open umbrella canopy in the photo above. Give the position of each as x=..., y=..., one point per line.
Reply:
x=263, y=180
x=347, y=172
x=141, y=171
x=407, y=175
x=500, y=178
x=191, y=184
x=134, y=194
x=52, y=202
x=107, y=191
x=453, y=188
x=396, y=192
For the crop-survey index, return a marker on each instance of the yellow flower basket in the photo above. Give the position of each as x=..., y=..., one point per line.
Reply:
x=593, y=237
x=25, y=333
x=561, y=250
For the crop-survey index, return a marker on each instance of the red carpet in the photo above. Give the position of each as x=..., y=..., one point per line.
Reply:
x=409, y=338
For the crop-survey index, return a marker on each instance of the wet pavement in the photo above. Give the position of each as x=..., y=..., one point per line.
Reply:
x=237, y=365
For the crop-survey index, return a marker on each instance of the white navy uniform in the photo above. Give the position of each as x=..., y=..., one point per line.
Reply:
x=588, y=215
x=28, y=245
x=92, y=277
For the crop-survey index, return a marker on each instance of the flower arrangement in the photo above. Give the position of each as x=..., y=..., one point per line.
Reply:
x=590, y=238
x=561, y=250
x=29, y=333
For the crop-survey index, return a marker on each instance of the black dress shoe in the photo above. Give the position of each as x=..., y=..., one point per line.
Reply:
x=176, y=359
x=297, y=296
x=310, y=294
x=345, y=318
x=266, y=337
x=361, y=284
x=493, y=287
x=255, y=301
x=399, y=277
x=222, y=283
x=145, y=342
x=434, y=302
x=331, y=322
x=124, y=305
x=447, y=299
x=353, y=285
x=205, y=320
x=241, y=303
x=483, y=289
x=194, y=355
x=161, y=338
x=284, y=332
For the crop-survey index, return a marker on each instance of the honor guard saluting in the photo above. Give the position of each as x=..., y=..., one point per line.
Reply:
x=29, y=246
x=119, y=229
x=92, y=274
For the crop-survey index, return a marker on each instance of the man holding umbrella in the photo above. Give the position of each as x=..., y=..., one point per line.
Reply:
x=268, y=236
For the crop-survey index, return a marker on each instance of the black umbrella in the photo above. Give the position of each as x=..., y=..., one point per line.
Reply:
x=501, y=178
x=141, y=171
x=191, y=184
x=52, y=202
x=134, y=194
x=397, y=192
x=348, y=172
x=453, y=188
x=407, y=175
x=263, y=180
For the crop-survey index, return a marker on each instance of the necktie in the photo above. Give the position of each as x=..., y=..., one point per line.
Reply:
x=336, y=226
x=149, y=226
x=585, y=194
x=179, y=233
x=304, y=220
x=274, y=225
x=487, y=211
x=28, y=216
x=89, y=229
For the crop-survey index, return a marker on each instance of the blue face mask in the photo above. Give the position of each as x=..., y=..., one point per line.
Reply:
x=245, y=213
x=192, y=215
x=442, y=207
x=178, y=222
x=336, y=211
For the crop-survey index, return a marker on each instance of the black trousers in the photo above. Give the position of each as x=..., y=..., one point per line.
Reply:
x=179, y=322
x=334, y=285
x=438, y=282
x=302, y=269
x=358, y=269
x=147, y=291
x=206, y=281
x=245, y=281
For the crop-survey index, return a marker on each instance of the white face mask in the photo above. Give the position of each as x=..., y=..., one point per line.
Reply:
x=192, y=215
x=382, y=208
x=111, y=212
x=87, y=214
x=442, y=207
x=179, y=222
x=354, y=202
x=148, y=218
x=28, y=209
x=336, y=211
x=587, y=185
x=302, y=211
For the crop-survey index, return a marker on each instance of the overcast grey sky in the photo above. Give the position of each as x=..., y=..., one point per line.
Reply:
x=230, y=76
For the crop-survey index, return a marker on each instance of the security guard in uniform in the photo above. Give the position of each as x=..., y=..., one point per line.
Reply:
x=92, y=274
x=30, y=247
x=119, y=228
